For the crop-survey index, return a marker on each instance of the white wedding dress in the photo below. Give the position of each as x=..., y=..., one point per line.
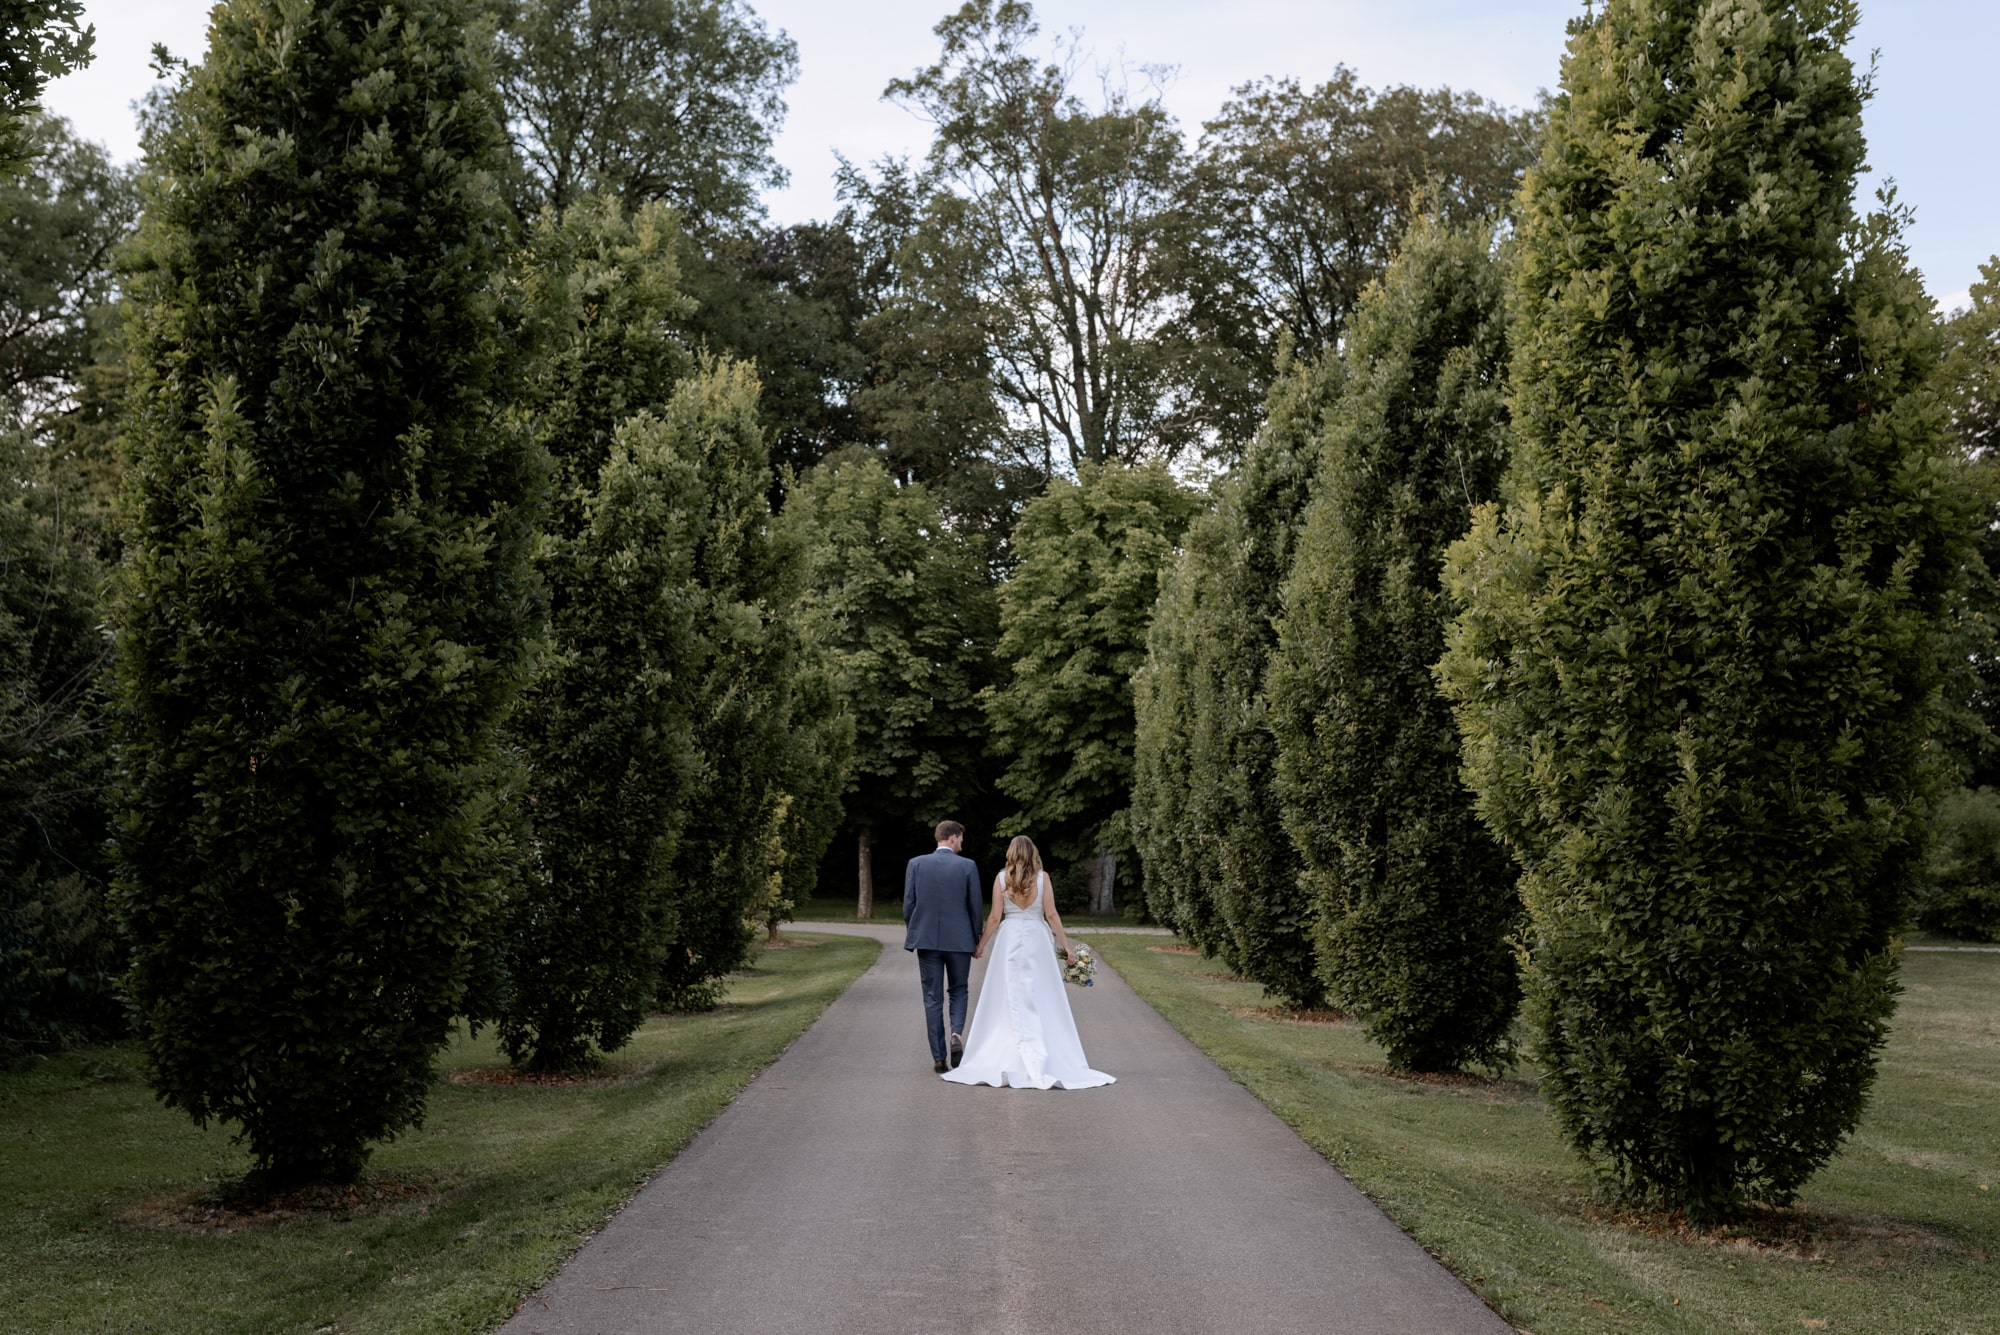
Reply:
x=1022, y=1032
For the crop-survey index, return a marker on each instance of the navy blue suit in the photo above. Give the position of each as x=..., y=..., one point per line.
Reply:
x=942, y=913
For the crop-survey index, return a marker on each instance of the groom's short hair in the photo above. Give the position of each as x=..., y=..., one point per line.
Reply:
x=948, y=830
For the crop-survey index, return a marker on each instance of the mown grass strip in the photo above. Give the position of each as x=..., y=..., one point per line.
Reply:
x=1897, y=1236
x=110, y=1220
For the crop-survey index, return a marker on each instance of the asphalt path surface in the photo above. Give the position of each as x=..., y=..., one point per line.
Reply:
x=848, y=1189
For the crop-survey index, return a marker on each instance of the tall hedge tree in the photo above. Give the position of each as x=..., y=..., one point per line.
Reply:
x=1414, y=898
x=906, y=611
x=1073, y=623
x=748, y=575
x=1205, y=811
x=326, y=606
x=607, y=726
x=1700, y=648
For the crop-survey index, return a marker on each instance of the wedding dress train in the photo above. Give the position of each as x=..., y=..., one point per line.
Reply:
x=1022, y=1032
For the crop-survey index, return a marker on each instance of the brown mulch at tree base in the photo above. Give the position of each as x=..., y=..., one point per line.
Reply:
x=1175, y=949
x=1788, y=1233
x=1310, y=1016
x=507, y=1075
x=214, y=1209
x=789, y=943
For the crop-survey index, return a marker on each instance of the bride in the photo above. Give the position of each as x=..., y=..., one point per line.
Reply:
x=1022, y=1032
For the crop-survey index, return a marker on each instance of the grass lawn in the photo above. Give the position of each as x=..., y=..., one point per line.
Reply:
x=108, y=1220
x=1898, y=1235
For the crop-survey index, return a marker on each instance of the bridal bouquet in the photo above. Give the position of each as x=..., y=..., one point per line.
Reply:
x=1079, y=965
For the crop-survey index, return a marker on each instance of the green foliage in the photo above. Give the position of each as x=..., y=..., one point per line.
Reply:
x=899, y=600
x=68, y=210
x=1296, y=199
x=1179, y=874
x=814, y=778
x=1969, y=376
x=1414, y=898
x=747, y=579
x=1962, y=897
x=927, y=399
x=606, y=728
x=1073, y=624
x=1972, y=364
x=670, y=100
x=59, y=954
x=1699, y=650
x=39, y=40
x=326, y=603
x=1219, y=865
x=789, y=299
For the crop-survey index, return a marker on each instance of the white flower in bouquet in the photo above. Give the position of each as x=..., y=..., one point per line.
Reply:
x=1079, y=965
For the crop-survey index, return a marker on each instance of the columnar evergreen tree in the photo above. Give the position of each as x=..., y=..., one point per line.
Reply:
x=1414, y=898
x=747, y=579
x=1073, y=623
x=815, y=775
x=910, y=620
x=607, y=726
x=1696, y=668
x=326, y=603
x=1205, y=810
x=1178, y=870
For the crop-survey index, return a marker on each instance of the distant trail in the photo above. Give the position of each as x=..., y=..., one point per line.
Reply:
x=849, y=1190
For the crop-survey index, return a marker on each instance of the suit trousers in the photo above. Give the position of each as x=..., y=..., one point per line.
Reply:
x=943, y=972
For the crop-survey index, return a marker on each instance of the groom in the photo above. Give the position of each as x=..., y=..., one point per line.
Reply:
x=941, y=906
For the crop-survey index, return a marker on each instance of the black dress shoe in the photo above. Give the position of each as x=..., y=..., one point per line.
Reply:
x=939, y=1067
x=957, y=1050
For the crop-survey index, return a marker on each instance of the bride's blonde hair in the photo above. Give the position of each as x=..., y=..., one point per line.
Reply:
x=1024, y=864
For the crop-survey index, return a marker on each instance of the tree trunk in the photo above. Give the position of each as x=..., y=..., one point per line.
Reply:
x=1100, y=873
x=864, y=904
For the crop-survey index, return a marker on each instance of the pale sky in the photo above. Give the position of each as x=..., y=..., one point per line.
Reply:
x=1931, y=125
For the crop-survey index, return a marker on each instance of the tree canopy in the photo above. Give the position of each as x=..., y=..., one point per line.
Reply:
x=669, y=100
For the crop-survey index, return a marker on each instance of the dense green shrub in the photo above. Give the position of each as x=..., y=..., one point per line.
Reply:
x=1205, y=811
x=326, y=603
x=1414, y=898
x=1073, y=622
x=900, y=600
x=607, y=727
x=1696, y=667
x=1962, y=897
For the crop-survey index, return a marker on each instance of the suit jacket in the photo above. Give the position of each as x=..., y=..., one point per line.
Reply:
x=941, y=905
